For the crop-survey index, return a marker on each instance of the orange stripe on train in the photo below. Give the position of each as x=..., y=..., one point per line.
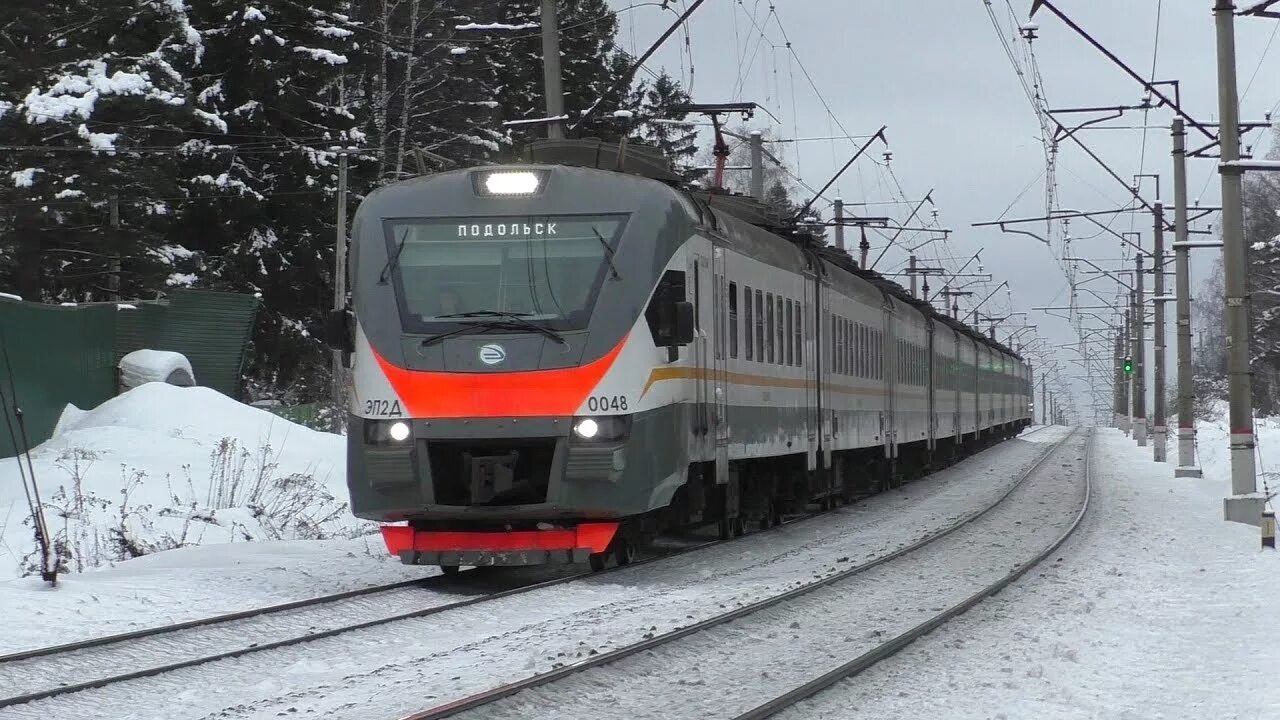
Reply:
x=529, y=393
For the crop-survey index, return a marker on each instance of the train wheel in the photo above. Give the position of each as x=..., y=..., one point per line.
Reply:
x=598, y=561
x=625, y=551
x=449, y=569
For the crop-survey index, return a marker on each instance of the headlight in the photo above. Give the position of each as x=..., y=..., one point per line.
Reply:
x=398, y=431
x=587, y=428
x=386, y=432
x=602, y=428
x=508, y=182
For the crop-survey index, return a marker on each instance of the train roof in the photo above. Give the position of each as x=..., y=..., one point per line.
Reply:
x=648, y=161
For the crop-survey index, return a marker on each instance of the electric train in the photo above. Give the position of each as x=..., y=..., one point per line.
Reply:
x=554, y=361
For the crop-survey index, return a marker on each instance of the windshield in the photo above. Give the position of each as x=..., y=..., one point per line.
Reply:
x=547, y=269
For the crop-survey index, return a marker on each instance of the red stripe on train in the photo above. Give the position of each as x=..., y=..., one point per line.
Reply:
x=529, y=393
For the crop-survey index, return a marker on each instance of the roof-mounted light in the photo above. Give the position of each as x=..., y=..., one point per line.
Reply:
x=510, y=182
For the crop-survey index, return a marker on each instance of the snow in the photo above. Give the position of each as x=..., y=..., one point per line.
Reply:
x=75, y=94
x=253, y=14
x=67, y=194
x=495, y=26
x=323, y=55
x=162, y=466
x=126, y=306
x=458, y=51
x=334, y=32
x=5, y=107
x=143, y=366
x=1158, y=608
x=10, y=296
x=25, y=177
x=362, y=674
x=97, y=141
x=211, y=118
x=623, y=114
x=531, y=121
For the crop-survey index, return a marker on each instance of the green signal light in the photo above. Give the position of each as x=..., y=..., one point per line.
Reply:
x=1128, y=366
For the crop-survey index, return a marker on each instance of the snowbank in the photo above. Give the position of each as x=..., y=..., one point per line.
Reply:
x=162, y=467
x=1213, y=451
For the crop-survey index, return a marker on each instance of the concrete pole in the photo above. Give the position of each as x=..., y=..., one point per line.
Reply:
x=1158, y=447
x=1139, y=358
x=757, y=170
x=1117, y=394
x=1187, y=466
x=839, y=203
x=911, y=271
x=1129, y=323
x=1044, y=401
x=340, y=283
x=551, y=68
x=1237, y=507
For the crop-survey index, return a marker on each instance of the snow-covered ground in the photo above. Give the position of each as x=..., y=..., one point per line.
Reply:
x=163, y=467
x=1214, y=455
x=1158, y=609
x=390, y=670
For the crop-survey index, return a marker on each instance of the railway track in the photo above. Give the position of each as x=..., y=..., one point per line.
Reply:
x=33, y=675
x=492, y=701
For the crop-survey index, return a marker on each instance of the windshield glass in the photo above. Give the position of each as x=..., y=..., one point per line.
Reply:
x=548, y=269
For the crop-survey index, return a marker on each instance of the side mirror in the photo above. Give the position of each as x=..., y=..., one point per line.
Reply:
x=683, y=331
x=338, y=330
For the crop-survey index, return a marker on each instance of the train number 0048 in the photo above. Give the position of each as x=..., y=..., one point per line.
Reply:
x=602, y=403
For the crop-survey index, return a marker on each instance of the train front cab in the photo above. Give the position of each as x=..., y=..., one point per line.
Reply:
x=500, y=346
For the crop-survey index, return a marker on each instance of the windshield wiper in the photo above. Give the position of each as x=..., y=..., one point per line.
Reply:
x=394, y=260
x=608, y=250
x=508, y=321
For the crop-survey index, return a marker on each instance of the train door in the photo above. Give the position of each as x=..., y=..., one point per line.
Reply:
x=826, y=365
x=930, y=392
x=812, y=363
x=720, y=376
x=698, y=279
x=888, y=424
x=953, y=375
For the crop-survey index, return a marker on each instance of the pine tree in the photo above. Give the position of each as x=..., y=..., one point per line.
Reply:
x=678, y=142
x=589, y=64
x=98, y=88
x=271, y=86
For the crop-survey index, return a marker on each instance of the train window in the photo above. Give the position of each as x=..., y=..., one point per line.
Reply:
x=832, y=342
x=698, y=297
x=733, y=320
x=862, y=350
x=718, y=341
x=781, y=331
x=791, y=348
x=768, y=327
x=747, y=323
x=760, y=325
x=670, y=290
x=844, y=346
x=799, y=337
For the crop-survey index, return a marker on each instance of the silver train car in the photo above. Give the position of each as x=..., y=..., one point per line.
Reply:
x=553, y=362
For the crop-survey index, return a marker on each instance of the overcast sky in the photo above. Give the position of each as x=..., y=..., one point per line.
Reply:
x=958, y=121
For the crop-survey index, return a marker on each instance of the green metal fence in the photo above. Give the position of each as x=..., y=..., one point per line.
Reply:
x=60, y=355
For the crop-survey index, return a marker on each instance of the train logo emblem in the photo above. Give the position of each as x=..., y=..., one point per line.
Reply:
x=492, y=354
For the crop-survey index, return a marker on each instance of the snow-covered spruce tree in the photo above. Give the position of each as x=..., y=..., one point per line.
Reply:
x=272, y=86
x=92, y=93
x=679, y=142
x=589, y=67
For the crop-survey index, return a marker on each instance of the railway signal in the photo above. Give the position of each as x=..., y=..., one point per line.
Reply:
x=1128, y=366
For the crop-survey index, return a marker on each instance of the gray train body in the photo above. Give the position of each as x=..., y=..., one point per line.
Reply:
x=727, y=372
